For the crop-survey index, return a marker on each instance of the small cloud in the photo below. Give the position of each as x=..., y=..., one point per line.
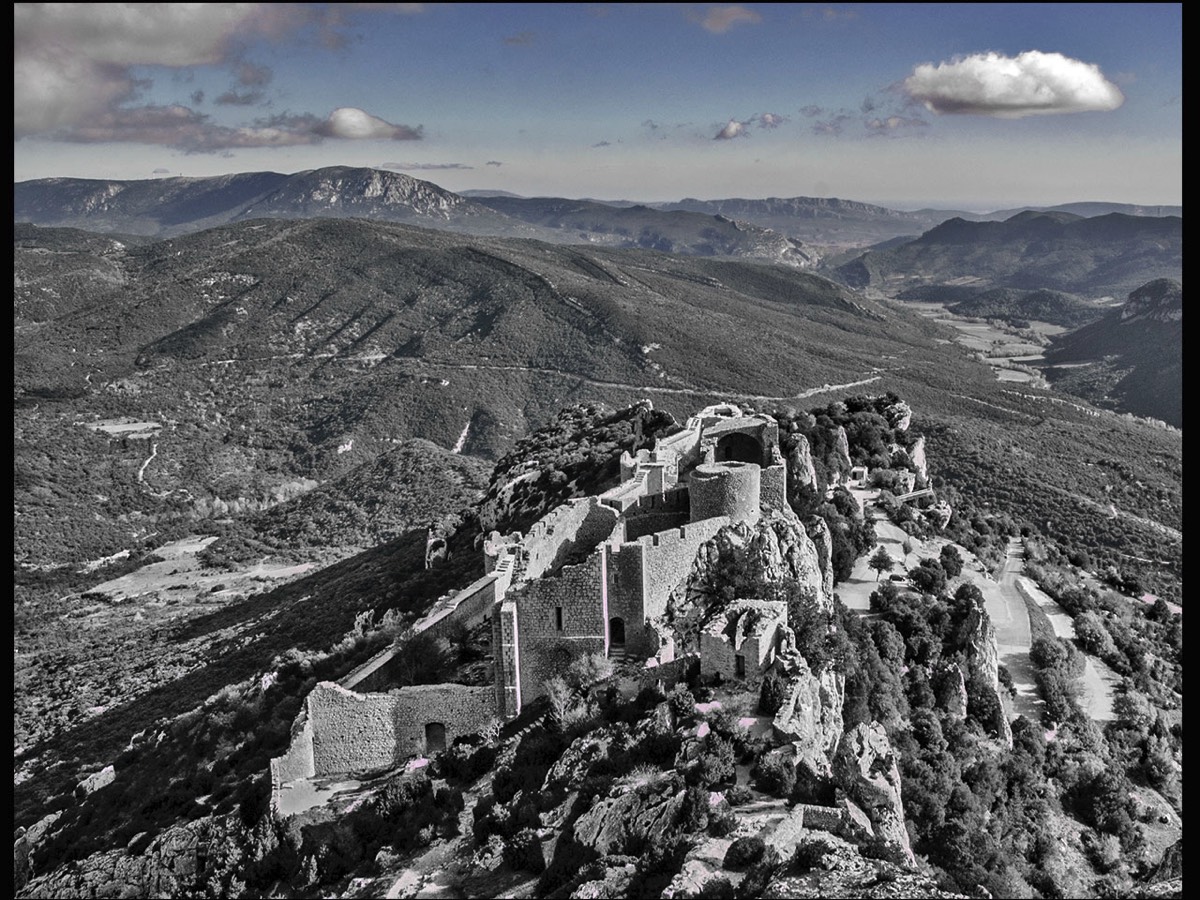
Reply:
x=894, y=123
x=829, y=14
x=651, y=124
x=1032, y=83
x=868, y=106
x=731, y=130
x=197, y=97
x=421, y=167
x=1124, y=78
x=770, y=120
x=719, y=19
x=811, y=111
x=524, y=39
x=233, y=98
x=831, y=126
x=250, y=75
x=493, y=162
x=602, y=144
x=161, y=171
x=353, y=124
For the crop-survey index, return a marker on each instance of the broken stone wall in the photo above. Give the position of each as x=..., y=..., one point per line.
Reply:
x=576, y=526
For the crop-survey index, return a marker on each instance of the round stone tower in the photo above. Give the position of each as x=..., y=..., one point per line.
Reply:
x=725, y=489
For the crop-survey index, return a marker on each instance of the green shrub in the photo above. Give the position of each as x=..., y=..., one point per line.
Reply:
x=775, y=775
x=523, y=852
x=744, y=852
x=773, y=693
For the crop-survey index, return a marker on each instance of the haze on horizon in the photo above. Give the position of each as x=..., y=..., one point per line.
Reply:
x=973, y=106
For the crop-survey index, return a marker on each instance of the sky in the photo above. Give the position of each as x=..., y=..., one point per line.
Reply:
x=968, y=106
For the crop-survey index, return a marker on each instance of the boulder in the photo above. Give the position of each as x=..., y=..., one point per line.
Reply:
x=622, y=822
x=898, y=415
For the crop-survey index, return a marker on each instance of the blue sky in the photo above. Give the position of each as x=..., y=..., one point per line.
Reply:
x=969, y=105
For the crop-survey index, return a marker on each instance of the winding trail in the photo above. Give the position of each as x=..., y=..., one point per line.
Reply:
x=142, y=471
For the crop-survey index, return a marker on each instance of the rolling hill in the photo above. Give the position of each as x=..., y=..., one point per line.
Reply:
x=1102, y=256
x=1132, y=359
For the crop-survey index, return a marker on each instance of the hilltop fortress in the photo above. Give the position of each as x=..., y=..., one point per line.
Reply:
x=595, y=575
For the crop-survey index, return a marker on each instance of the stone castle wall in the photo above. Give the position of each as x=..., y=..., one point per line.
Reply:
x=351, y=732
x=342, y=731
x=576, y=599
x=667, y=559
x=577, y=525
x=728, y=489
x=505, y=655
x=657, y=512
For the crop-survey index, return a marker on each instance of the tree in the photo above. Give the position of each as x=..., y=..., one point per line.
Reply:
x=908, y=548
x=951, y=560
x=881, y=561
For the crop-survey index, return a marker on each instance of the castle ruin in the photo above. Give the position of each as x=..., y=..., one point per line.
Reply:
x=592, y=576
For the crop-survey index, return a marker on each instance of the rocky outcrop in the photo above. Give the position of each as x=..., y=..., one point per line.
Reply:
x=983, y=660
x=801, y=472
x=811, y=715
x=866, y=771
x=952, y=691
x=840, y=872
x=939, y=514
x=742, y=561
x=916, y=455
x=1160, y=300
x=619, y=823
x=817, y=530
x=898, y=415
x=185, y=860
x=842, y=447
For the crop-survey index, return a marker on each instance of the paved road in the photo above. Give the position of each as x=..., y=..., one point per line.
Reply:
x=1004, y=605
x=1098, y=682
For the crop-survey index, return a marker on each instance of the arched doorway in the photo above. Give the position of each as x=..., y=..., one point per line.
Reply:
x=738, y=447
x=616, y=631
x=435, y=738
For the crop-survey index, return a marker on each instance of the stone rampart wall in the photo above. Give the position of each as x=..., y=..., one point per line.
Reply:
x=297, y=762
x=460, y=709
x=352, y=732
x=667, y=558
x=505, y=656
x=578, y=593
x=574, y=526
x=773, y=487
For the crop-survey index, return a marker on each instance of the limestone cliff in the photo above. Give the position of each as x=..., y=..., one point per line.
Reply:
x=741, y=562
x=842, y=446
x=916, y=453
x=811, y=715
x=866, y=772
x=801, y=472
x=817, y=530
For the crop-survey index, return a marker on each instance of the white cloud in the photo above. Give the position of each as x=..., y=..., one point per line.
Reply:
x=770, y=120
x=71, y=60
x=719, y=19
x=1032, y=83
x=733, y=129
x=353, y=124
